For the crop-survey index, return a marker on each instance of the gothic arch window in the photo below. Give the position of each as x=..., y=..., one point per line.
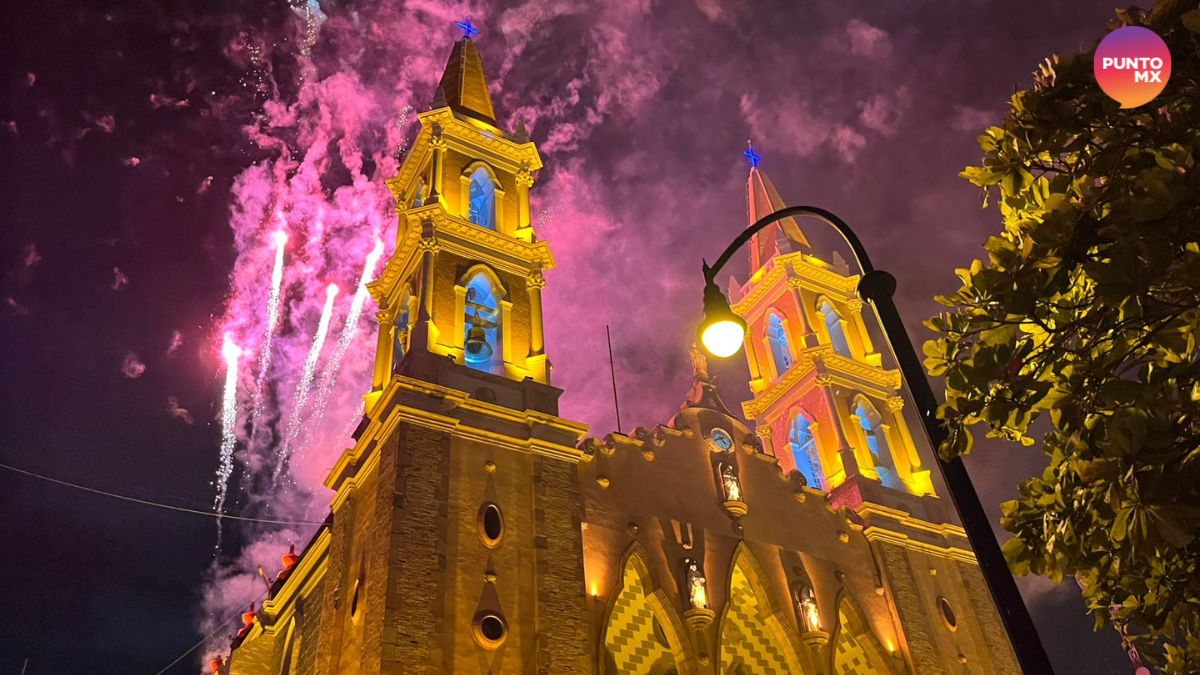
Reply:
x=877, y=444
x=804, y=451
x=856, y=651
x=752, y=638
x=781, y=351
x=639, y=636
x=835, y=327
x=482, y=199
x=481, y=322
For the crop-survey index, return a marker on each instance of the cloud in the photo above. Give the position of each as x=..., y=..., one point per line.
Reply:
x=787, y=124
x=847, y=142
x=882, y=112
x=179, y=412
x=120, y=280
x=973, y=120
x=175, y=342
x=867, y=40
x=132, y=367
x=17, y=308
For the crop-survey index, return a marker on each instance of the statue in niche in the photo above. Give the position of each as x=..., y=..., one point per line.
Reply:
x=729, y=481
x=806, y=604
x=697, y=587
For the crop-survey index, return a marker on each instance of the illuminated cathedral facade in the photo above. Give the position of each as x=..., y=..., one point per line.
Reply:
x=474, y=530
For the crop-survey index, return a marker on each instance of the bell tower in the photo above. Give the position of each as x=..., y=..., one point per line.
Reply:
x=823, y=401
x=465, y=282
x=455, y=540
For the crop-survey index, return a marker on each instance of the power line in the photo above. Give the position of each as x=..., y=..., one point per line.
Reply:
x=206, y=638
x=144, y=502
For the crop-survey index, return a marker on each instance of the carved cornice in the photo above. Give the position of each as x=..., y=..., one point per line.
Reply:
x=774, y=392
x=853, y=373
x=831, y=368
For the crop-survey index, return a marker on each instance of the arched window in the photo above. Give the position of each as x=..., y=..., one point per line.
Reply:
x=404, y=320
x=482, y=199
x=481, y=342
x=781, y=352
x=419, y=194
x=833, y=323
x=877, y=444
x=804, y=451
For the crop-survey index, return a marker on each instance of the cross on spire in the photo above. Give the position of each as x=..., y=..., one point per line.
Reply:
x=469, y=30
x=751, y=155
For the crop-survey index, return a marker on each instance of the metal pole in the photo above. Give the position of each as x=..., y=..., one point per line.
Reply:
x=877, y=287
x=612, y=369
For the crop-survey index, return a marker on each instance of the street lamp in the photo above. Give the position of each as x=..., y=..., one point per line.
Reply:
x=722, y=337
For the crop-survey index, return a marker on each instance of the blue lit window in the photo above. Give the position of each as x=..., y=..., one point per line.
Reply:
x=781, y=352
x=482, y=324
x=877, y=445
x=402, y=324
x=833, y=323
x=483, y=199
x=804, y=451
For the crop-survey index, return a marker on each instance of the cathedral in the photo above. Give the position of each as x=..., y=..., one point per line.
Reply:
x=474, y=530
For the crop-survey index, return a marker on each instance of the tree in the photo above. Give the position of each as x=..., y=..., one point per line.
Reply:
x=1085, y=316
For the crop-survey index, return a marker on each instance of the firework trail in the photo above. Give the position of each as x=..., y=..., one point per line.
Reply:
x=264, y=358
x=304, y=387
x=349, y=330
x=231, y=352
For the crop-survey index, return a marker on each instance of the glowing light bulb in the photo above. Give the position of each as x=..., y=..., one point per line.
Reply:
x=723, y=338
x=280, y=238
x=331, y=290
x=721, y=331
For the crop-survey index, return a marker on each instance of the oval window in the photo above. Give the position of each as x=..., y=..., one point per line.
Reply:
x=947, y=613
x=491, y=525
x=490, y=630
x=721, y=439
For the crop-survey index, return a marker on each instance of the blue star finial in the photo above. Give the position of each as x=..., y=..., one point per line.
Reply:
x=469, y=31
x=751, y=155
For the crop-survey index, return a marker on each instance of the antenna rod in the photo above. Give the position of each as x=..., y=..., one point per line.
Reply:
x=613, y=370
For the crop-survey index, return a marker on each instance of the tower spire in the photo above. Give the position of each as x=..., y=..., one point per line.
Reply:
x=463, y=84
x=762, y=199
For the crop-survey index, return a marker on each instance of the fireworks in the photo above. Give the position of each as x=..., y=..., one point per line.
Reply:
x=304, y=387
x=231, y=352
x=264, y=358
x=349, y=329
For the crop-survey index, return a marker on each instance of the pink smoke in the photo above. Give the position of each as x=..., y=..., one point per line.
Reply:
x=132, y=367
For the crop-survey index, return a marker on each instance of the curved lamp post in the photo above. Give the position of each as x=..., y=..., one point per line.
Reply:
x=722, y=333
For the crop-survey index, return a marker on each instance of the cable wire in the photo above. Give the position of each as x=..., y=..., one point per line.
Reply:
x=144, y=502
x=204, y=639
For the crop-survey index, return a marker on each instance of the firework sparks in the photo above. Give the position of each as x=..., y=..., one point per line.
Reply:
x=304, y=387
x=264, y=358
x=349, y=329
x=231, y=352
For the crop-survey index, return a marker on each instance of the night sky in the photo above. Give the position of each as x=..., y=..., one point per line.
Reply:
x=148, y=150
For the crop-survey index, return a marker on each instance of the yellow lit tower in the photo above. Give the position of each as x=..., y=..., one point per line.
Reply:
x=454, y=540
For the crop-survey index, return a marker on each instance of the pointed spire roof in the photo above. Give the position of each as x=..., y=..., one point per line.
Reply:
x=762, y=199
x=464, y=87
